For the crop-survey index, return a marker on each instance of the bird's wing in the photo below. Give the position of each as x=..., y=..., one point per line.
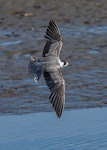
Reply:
x=54, y=42
x=56, y=84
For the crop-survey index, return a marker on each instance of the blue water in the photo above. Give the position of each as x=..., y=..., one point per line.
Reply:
x=84, y=129
x=8, y=43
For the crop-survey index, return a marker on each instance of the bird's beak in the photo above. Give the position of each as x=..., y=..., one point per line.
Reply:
x=69, y=64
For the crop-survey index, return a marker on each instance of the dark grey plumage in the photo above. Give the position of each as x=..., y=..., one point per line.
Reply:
x=52, y=75
x=56, y=85
x=54, y=40
x=50, y=66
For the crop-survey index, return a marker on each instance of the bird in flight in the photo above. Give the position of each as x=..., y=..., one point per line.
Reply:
x=50, y=66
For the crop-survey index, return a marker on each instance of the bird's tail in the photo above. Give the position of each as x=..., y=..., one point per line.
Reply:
x=35, y=69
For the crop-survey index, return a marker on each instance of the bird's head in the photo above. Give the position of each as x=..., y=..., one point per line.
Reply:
x=65, y=63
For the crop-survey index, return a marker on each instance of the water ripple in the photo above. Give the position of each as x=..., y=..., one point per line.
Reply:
x=80, y=129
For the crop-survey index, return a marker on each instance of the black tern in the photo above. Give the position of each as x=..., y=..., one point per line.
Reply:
x=50, y=66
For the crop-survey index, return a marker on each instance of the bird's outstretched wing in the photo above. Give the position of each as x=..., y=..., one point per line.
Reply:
x=56, y=84
x=54, y=42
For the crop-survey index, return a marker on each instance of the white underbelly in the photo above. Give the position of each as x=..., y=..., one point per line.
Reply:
x=52, y=62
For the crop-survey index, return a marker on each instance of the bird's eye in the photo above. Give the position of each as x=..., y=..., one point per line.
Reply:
x=64, y=63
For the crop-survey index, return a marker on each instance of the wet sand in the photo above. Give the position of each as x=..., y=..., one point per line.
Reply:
x=83, y=26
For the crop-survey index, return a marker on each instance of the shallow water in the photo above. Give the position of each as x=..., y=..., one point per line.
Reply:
x=83, y=129
x=86, y=83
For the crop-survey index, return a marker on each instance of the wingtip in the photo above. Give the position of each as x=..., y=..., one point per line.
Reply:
x=57, y=106
x=53, y=32
x=59, y=115
x=51, y=21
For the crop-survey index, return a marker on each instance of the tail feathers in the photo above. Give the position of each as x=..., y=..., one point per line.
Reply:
x=35, y=69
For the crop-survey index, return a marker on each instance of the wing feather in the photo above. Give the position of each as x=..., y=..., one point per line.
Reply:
x=54, y=40
x=56, y=84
